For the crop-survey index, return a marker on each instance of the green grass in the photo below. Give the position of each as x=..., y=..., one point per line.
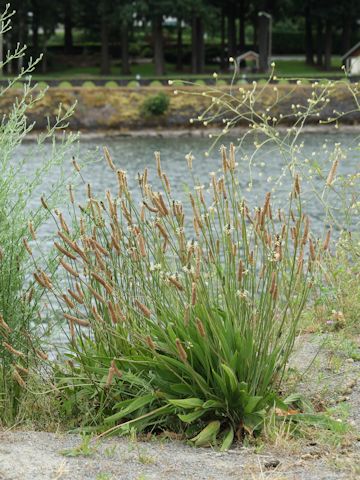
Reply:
x=288, y=68
x=296, y=68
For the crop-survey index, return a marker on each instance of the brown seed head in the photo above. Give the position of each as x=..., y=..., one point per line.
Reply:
x=144, y=309
x=331, y=177
x=27, y=246
x=79, y=321
x=109, y=159
x=150, y=343
x=117, y=372
x=17, y=377
x=297, y=186
x=181, y=350
x=327, y=240
x=76, y=165
x=193, y=293
x=312, y=250
x=43, y=202
x=200, y=327
x=4, y=325
x=69, y=268
x=12, y=350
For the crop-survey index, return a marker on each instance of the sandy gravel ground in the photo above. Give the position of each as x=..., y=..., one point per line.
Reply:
x=39, y=455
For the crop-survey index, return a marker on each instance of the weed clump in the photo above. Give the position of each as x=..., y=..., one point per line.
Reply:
x=182, y=316
x=156, y=105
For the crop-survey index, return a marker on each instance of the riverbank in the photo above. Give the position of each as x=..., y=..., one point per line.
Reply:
x=121, y=109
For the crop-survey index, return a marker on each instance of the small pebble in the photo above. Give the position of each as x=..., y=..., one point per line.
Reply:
x=306, y=456
x=352, y=383
x=272, y=464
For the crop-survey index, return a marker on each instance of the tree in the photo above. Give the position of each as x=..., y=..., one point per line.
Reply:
x=243, y=6
x=68, y=25
x=104, y=35
x=309, y=44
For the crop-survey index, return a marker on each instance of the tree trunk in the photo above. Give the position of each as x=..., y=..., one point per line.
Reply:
x=35, y=30
x=328, y=44
x=194, y=49
x=309, y=36
x=158, y=45
x=44, y=61
x=232, y=32
x=201, y=46
x=346, y=34
x=179, y=46
x=21, y=15
x=319, y=43
x=105, y=58
x=198, y=48
x=263, y=43
x=255, y=32
x=125, y=63
x=68, y=24
x=222, y=33
x=242, y=10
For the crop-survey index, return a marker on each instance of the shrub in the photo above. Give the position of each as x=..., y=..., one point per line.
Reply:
x=182, y=316
x=111, y=84
x=155, y=83
x=65, y=84
x=133, y=84
x=88, y=84
x=42, y=85
x=156, y=104
x=20, y=299
x=337, y=297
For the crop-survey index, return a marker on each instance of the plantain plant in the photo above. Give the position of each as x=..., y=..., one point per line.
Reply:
x=181, y=315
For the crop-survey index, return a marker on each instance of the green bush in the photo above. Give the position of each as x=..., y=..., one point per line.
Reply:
x=88, y=84
x=155, y=83
x=42, y=85
x=156, y=105
x=65, y=84
x=21, y=297
x=133, y=84
x=111, y=84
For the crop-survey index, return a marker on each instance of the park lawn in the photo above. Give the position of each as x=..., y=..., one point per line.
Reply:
x=284, y=68
x=296, y=68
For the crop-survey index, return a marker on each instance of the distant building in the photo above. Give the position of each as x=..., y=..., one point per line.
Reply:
x=351, y=60
x=248, y=62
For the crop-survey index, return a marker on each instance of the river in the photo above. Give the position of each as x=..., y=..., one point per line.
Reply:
x=133, y=154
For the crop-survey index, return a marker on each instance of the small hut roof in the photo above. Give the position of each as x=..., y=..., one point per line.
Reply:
x=352, y=50
x=247, y=54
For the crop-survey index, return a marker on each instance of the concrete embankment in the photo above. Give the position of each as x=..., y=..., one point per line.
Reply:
x=120, y=109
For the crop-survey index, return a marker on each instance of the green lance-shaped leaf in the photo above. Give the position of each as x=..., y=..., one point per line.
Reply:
x=191, y=417
x=132, y=407
x=207, y=435
x=228, y=440
x=231, y=377
x=187, y=402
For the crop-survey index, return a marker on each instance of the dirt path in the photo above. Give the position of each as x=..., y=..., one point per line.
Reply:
x=37, y=456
